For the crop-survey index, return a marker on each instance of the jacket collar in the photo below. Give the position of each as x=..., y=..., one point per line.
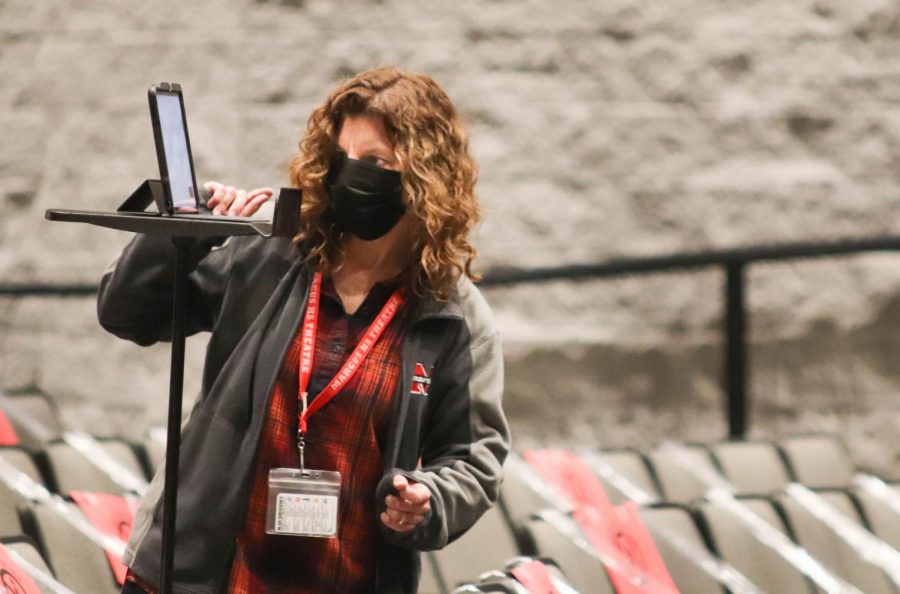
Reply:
x=430, y=308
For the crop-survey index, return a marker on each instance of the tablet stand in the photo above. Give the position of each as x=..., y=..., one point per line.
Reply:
x=131, y=216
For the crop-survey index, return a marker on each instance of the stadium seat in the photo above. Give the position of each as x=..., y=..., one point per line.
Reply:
x=738, y=546
x=72, y=471
x=551, y=566
x=883, y=521
x=489, y=544
x=678, y=484
x=33, y=416
x=629, y=464
x=545, y=568
x=753, y=467
x=818, y=461
x=522, y=494
x=829, y=548
x=676, y=520
x=78, y=562
x=499, y=584
x=28, y=550
x=551, y=534
x=9, y=499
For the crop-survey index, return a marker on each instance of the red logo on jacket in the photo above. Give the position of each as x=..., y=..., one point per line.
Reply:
x=421, y=380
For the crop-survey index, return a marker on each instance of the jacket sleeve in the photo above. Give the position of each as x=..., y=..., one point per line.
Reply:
x=135, y=298
x=465, y=443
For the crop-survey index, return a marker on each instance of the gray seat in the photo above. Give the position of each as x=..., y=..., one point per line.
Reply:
x=826, y=546
x=677, y=483
x=818, y=461
x=488, y=545
x=551, y=532
x=497, y=584
x=738, y=546
x=753, y=467
x=75, y=472
x=9, y=499
x=677, y=521
x=523, y=492
x=34, y=417
x=506, y=581
x=882, y=519
x=78, y=563
x=553, y=569
x=25, y=548
x=630, y=465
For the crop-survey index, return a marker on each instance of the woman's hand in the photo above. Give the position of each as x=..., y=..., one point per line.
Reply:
x=228, y=200
x=407, y=509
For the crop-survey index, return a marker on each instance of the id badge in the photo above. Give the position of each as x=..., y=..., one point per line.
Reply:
x=303, y=503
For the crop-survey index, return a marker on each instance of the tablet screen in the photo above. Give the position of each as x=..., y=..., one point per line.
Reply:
x=178, y=167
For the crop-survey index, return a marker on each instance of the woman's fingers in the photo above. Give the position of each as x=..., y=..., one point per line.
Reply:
x=216, y=193
x=222, y=199
x=404, y=518
x=401, y=524
x=394, y=525
x=255, y=199
x=237, y=205
x=261, y=191
x=402, y=505
x=228, y=200
x=410, y=491
x=408, y=508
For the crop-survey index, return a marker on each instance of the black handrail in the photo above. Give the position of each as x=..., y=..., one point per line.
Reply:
x=48, y=290
x=692, y=260
x=733, y=261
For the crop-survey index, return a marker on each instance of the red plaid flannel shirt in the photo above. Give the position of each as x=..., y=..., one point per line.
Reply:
x=347, y=436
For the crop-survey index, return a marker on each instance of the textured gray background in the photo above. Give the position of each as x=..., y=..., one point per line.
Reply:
x=610, y=128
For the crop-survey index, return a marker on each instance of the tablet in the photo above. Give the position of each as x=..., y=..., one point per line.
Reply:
x=173, y=146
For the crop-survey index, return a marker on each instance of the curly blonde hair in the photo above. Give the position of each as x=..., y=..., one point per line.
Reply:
x=439, y=175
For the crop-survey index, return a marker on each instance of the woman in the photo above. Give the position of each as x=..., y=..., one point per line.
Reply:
x=363, y=342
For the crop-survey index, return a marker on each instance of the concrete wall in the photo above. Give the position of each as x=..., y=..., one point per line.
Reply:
x=602, y=128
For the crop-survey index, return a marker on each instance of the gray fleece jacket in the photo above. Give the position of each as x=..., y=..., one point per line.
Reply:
x=250, y=293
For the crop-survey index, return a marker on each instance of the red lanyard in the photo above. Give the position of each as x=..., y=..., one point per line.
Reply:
x=308, y=346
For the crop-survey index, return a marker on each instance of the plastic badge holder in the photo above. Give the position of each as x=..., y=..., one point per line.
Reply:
x=303, y=503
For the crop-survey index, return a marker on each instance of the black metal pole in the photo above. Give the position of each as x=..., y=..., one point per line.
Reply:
x=736, y=349
x=173, y=440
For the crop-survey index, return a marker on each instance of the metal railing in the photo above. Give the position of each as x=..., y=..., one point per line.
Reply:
x=733, y=262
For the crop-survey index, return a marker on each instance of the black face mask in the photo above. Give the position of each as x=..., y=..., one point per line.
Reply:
x=367, y=200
